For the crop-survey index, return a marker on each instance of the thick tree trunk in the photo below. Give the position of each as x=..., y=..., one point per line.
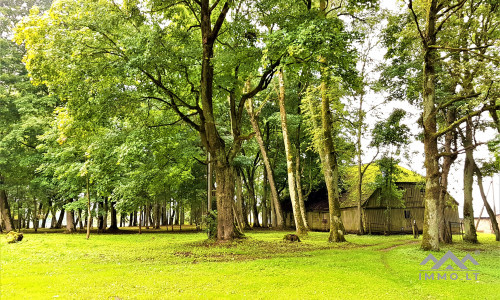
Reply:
x=299, y=223
x=70, y=224
x=469, y=228
x=114, y=219
x=430, y=237
x=5, y=211
x=491, y=213
x=224, y=176
x=279, y=222
x=330, y=168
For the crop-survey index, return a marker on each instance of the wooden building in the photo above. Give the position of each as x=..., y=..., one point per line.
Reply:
x=483, y=224
x=378, y=214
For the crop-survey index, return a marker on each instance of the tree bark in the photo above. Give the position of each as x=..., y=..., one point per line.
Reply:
x=279, y=222
x=491, y=213
x=70, y=225
x=330, y=168
x=264, y=200
x=61, y=217
x=445, y=235
x=5, y=210
x=299, y=223
x=298, y=175
x=89, y=209
x=239, y=200
x=430, y=237
x=114, y=220
x=469, y=228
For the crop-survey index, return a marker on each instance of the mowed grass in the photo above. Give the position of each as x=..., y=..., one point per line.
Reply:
x=263, y=266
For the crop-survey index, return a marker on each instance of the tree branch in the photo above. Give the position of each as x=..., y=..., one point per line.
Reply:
x=464, y=118
x=415, y=18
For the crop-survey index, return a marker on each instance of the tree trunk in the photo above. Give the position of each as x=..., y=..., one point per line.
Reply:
x=70, y=225
x=5, y=210
x=279, y=221
x=299, y=223
x=114, y=219
x=469, y=228
x=80, y=220
x=430, y=237
x=330, y=168
x=89, y=209
x=445, y=235
x=264, y=201
x=60, y=220
x=300, y=194
x=491, y=213
x=208, y=131
x=239, y=200
x=253, y=198
x=224, y=176
x=35, y=216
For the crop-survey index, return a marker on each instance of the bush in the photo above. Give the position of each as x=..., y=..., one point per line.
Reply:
x=211, y=221
x=14, y=237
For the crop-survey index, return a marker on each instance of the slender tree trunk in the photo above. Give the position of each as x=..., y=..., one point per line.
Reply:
x=253, y=198
x=299, y=223
x=469, y=228
x=44, y=221
x=239, y=200
x=444, y=232
x=430, y=237
x=279, y=221
x=298, y=173
x=60, y=220
x=80, y=220
x=300, y=193
x=5, y=210
x=264, y=201
x=105, y=217
x=89, y=209
x=35, y=216
x=140, y=221
x=491, y=213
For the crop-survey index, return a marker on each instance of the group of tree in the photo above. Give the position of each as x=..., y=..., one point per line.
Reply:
x=119, y=106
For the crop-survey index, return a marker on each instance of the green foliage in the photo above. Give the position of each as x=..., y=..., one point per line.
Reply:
x=211, y=223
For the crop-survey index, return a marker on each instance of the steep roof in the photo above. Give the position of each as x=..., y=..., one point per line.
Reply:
x=350, y=197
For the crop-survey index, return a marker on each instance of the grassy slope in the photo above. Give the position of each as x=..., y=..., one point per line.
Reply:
x=159, y=266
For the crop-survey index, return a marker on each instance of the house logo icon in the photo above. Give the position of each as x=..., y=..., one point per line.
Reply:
x=448, y=267
x=449, y=256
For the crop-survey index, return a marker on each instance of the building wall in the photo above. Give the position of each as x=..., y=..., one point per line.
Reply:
x=485, y=225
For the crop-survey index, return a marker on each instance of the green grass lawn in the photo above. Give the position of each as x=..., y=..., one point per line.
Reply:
x=183, y=265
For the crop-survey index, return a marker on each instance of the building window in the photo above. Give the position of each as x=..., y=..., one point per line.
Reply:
x=407, y=214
